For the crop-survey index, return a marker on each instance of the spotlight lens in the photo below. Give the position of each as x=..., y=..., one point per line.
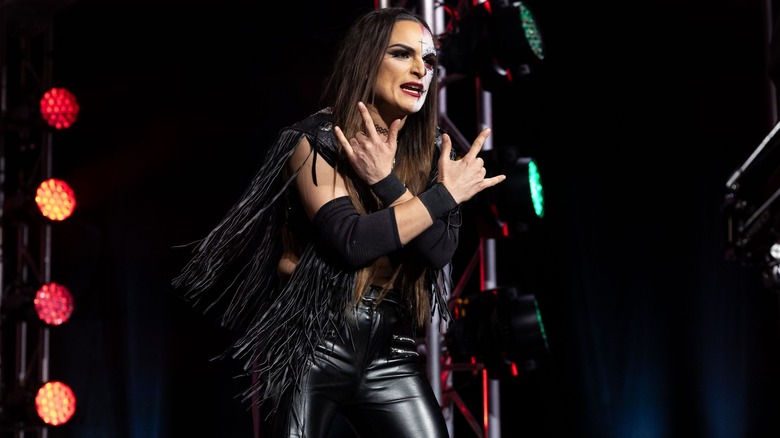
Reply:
x=535, y=185
x=55, y=199
x=53, y=303
x=55, y=403
x=531, y=31
x=774, y=251
x=59, y=108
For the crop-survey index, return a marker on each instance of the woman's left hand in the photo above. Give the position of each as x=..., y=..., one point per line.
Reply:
x=369, y=153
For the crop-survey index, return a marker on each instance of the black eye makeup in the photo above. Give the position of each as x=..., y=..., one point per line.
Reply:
x=431, y=61
x=400, y=53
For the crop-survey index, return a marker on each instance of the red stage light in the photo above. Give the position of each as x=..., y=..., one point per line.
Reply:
x=53, y=303
x=59, y=108
x=55, y=199
x=55, y=403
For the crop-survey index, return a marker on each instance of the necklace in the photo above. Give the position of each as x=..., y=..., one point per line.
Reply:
x=381, y=130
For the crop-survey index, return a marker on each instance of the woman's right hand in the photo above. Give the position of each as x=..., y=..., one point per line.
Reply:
x=464, y=178
x=370, y=155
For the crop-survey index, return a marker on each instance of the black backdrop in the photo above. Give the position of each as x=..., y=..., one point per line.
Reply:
x=637, y=118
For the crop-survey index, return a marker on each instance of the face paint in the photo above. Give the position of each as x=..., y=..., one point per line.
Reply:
x=427, y=49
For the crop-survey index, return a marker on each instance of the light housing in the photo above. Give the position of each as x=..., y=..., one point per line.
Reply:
x=55, y=403
x=498, y=41
x=51, y=404
x=53, y=303
x=501, y=327
x=515, y=37
x=55, y=199
x=59, y=108
x=518, y=202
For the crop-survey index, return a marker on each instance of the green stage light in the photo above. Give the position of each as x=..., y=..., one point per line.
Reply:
x=535, y=187
x=498, y=41
x=515, y=35
x=519, y=200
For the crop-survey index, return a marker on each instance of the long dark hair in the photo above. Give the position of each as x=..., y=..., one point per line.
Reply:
x=352, y=80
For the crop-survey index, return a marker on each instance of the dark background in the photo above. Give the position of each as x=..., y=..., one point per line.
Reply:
x=637, y=118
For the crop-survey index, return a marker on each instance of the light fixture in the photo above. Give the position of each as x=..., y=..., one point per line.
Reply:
x=518, y=203
x=55, y=199
x=770, y=274
x=502, y=328
x=52, y=200
x=55, y=403
x=514, y=34
x=59, y=108
x=51, y=304
x=51, y=404
x=498, y=41
x=751, y=211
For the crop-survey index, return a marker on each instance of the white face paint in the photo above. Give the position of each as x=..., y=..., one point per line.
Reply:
x=427, y=50
x=406, y=71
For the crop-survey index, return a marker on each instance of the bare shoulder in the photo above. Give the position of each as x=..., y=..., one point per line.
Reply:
x=302, y=153
x=317, y=181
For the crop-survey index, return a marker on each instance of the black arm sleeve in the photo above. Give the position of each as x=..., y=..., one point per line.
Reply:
x=437, y=244
x=437, y=200
x=358, y=239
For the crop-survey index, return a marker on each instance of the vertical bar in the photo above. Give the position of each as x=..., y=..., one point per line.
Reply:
x=3, y=115
x=768, y=32
x=485, y=114
x=47, y=172
x=433, y=356
x=435, y=18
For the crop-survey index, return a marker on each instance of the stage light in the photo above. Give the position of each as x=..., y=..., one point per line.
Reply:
x=55, y=199
x=501, y=327
x=518, y=202
x=59, y=108
x=521, y=196
x=52, y=200
x=50, y=404
x=770, y=275
x=515, y=37
x=751, y=211
x=497, y=41
x=55, y=403
x=53, y=303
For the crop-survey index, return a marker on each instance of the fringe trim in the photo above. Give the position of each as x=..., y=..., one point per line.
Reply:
x=278, y=325
x=255, y=212
x=279, y=346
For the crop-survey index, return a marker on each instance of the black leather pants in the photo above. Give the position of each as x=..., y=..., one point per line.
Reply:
x=371, y=376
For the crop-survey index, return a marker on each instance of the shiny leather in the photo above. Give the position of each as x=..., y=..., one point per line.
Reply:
x=371, y=376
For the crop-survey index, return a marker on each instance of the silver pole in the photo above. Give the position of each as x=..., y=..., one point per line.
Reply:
x=768, y=25
x=47, y=172
x=433, y=357
x=485, y=112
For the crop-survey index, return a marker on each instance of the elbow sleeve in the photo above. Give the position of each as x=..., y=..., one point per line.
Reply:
x=436, y=246
x=358, y=239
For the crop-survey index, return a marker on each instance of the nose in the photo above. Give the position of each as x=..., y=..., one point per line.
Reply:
x=419, y=69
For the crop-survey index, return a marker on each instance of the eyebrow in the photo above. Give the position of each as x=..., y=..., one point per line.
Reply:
x=411, y=49
x=402, y=45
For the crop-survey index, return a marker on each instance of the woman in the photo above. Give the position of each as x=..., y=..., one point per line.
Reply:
x=334, y=259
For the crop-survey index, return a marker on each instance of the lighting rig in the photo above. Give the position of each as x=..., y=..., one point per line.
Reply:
x=32, y=202
x=751, y=211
